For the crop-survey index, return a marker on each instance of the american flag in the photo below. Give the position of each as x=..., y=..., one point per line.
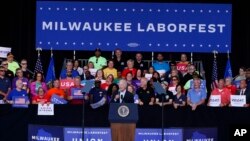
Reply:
x=38, y=67
x=214, y=83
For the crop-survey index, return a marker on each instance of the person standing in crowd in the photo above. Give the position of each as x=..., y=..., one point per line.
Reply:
x=41, y=97
x=69, y=68
x=146, y=94
x=5, y=84
x=77, y=85
x=179, y=98
x=248, y=78
x=77, y=67
x=24, y=67
x=96, y=94
x=130, y=68
x=108, y=82
x=90, y=65
x=129, y=78
x=139, y=63
x=35, y=85
x=161, y=66
x=173, y=72
x=8, y=73
x=110, y=70
x=137, y=78
x=228, y=84
x=183, y=64
x=100, y=76
x=189, y=75
x=98, y=60
x=244, y=91
x=241, y=75
x=131, y=89
x=123, y=96
x=119, y=61
x=223, y=92
x=151, y=70
x=17, y=91
x=164, y=99
x=12, y=65
x=156, y=77
x=173, y=83
x=56, y=90
x=196, y=96
x=190, y=83
x=25, y=81
x=112, y=90
x=83, y=76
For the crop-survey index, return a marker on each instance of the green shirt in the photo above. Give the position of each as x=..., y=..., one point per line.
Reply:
x=99, y=62
x=13, y=66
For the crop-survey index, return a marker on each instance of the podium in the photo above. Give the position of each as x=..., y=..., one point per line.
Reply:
x=123, y=118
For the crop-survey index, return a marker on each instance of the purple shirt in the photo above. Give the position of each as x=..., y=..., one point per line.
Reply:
x=24, y=80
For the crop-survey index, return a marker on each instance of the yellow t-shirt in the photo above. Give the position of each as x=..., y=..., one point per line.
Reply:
x=108, y=71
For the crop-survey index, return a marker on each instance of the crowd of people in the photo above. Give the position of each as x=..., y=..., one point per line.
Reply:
x=119, y=80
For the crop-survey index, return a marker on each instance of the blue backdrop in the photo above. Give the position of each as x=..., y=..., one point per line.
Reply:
x=164, y=27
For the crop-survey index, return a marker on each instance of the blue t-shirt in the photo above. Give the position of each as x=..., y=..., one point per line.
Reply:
x=97, y=93
x=14, y=92
x=5, y=84
x=63, y=74
x=161, y=66
x=196, y=96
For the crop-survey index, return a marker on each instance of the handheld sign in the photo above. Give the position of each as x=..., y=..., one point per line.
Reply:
x=55, y=99
x=76, y=93
x=20, y=101
x=238, y=100
x=45, y=109
x=148, y=76
x=158, y=88
x=215, y=101
x=88, y=86
x=66, y=83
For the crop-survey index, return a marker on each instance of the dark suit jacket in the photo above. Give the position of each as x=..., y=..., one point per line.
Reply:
x=247, y=93
x=128, y=98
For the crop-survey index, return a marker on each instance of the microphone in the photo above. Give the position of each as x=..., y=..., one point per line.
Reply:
x=122, y=98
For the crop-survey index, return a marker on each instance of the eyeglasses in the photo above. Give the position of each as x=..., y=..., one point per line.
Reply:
x=5, y=64
x=23, y=63
x=96, y=61
x=174, y=79
x=19, y=72
x=1, y=70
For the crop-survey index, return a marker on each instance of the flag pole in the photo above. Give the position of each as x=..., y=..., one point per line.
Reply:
x=113, y=54
x=191, y=59
x=152, y=58
x=74, y=55
x=51, y=52
x=38, y=51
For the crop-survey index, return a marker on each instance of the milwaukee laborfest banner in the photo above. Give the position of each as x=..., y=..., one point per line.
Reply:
x=164, y=27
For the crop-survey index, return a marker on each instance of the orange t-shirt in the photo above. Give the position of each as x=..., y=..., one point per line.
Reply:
x=56, y=91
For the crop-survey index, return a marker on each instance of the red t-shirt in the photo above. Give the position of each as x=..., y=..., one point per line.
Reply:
x=232, y=89
x=125, y=71
x=182, y=67
x=105, y=86
x=224, y=93
x=39, y=99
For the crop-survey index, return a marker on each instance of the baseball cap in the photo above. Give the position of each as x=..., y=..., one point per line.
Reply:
x=98, y=49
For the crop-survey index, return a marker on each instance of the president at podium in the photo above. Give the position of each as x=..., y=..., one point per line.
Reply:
x=123, y=96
